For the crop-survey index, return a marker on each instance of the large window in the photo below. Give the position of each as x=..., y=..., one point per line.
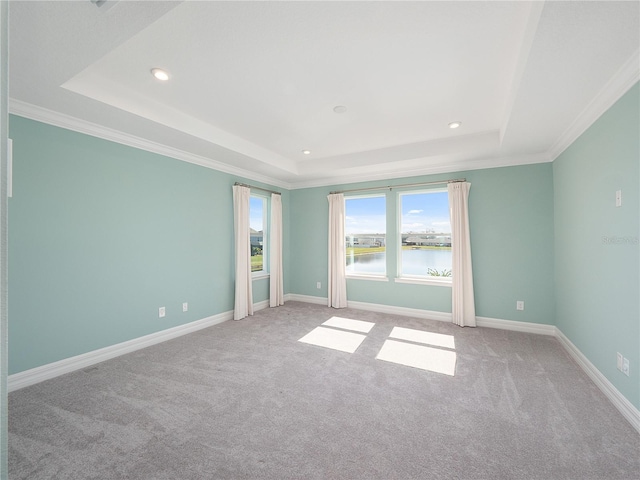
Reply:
x=425, y=235
x=258, y=228
x=365, y=232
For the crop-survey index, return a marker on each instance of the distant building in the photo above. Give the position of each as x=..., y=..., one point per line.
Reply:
x=366, y=240
x=256, y=239
x=427, y=239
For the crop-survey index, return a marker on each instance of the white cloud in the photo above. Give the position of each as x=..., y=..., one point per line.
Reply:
x=412, y=227
x=414, y=212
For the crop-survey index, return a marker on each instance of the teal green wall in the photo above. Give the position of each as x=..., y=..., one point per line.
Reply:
x=511, y=222
x=597, y=286
x=102, y=234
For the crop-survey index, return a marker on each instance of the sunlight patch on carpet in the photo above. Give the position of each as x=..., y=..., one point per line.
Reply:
x=418, y=356
x=349, y=324
x=334, y=339
x=419, y=336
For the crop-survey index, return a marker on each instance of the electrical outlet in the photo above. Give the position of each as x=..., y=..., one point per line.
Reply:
x=185, y=307
x=520, y=305
x=161, y=312
x=318, y=285
x=618, y=198
x=625, y=366
x=619, y=361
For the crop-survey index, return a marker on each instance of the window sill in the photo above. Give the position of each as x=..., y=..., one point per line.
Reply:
x=425, y=281
x=374, y=278
x=260, y=276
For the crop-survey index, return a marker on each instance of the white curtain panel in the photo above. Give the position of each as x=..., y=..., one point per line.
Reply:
x=337, y=271
x=276, y=285
x=244, y=296
x=463, y=307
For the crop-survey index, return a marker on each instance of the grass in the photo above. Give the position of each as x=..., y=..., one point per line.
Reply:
x=256, y=263
x=355, y=251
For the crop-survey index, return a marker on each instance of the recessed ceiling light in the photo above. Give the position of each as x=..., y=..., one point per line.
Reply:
x=339, y=109
x=455, y=124
x=160, y=74
x=306, y=152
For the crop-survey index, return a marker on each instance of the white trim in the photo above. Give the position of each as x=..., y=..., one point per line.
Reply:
x=294, y=297
x=617, y=86
x=428, y=168
x=373, y=278
x=486, y=322
x=407, y=312
x=261, y=305
x=625, y=78
x=52, y=370
x=626, y=408
x=50, y=117
x=515, y=326
x=424, y=281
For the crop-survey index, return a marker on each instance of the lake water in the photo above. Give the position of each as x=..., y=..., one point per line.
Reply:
x=414, y=262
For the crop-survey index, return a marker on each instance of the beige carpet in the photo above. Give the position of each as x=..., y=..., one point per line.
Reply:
x=246, y=400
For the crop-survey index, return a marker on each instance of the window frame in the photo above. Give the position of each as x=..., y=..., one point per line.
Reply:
x=264, y=272
x=408, y=278
x=380, y=277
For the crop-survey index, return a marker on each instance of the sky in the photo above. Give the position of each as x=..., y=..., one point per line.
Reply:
x=255, y=213
x=420, y=213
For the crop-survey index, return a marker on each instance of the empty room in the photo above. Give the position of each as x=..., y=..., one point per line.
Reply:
x=320, y=240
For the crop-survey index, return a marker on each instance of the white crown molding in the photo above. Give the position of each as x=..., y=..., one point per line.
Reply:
x=626, y=408
x=625, y=78
x=528, y=37
x=44, y=115
x=463, y=166
x=50, y=117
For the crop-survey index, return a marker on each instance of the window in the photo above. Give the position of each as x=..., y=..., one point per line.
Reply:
x=425, y=235
x=258, y=229
x=365, y=235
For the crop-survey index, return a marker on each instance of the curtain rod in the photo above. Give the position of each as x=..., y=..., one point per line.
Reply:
x=256, y=188
x=391, y=187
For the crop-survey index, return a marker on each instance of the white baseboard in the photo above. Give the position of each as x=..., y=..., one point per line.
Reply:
x=68, y=365
x=515, y=326
x=526, y=327
x=259, y=306
x=294, y=297
x=405, y=311
x=51, y=370
x=626, y=408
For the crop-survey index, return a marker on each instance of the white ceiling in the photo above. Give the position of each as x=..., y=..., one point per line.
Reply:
x=255, y=83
